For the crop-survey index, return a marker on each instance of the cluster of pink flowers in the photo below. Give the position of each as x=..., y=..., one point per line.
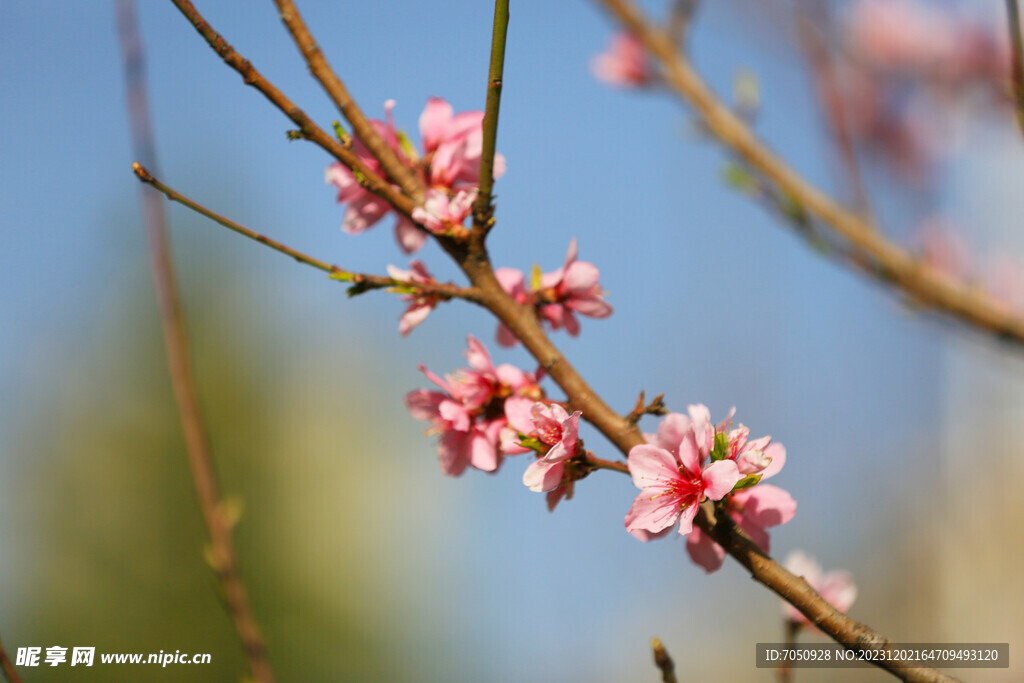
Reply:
x=905, y=63
x=625, y=63
x=557, y=296
x=691, y=460
x=944, y=250
x=485, y=412
x=449, y=166
x=836, y=587
x=468, y=413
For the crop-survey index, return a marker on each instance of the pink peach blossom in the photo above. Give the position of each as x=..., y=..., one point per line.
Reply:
x=672, y=487
x=420, y=303
x=456, y=143
x=364, y=207
x=559, y=295
x=556, y=429
x=442, y=214
x=468, y=413
x=836, y=587
x=624, y=64
x=453, y=143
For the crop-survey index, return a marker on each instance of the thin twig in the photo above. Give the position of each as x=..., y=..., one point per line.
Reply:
x=663, y=661
x=339, y=94
x=307, y=129
x=792, y=630
x=483, y=208
x=812, y=20
x=363, y=281
x=1013, y=16
x=10, y=673
x=876, y=256
x=179, y=363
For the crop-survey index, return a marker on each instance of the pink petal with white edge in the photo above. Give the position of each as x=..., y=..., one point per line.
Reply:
x=766, y=505
x=777, y=452
x=686, y=519
x=653, y=510
x=689, y=455
x=454, y=413
x=543, y=476
x=719, y=478
x=413, y=317
x=704, y=551
x=651, y=466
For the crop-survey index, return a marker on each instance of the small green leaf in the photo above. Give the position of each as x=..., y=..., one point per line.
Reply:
x=341, y=276
x=721, y=448
x=532, y=443
x=407, y=146
x=739, y=178
x=746, y=482
x=340, y=133
x=535, y=277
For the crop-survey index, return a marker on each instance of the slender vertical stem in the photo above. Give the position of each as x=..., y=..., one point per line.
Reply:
x=10, y=673
x=483, y=209
x=664, y=662
x=1013, y=16
x=178, y=359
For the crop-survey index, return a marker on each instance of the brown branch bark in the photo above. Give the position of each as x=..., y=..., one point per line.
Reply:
x=179, y=363
x=309, y=130
x=339, y=94
x=873, y=254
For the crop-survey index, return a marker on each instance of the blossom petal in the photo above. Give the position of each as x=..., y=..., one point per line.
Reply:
x=652, y=466
x=719, y=478
x=766, y=505
x=704, y=551
x=434, y=122
x=483, y=454
x=543, y=476
x=409, y=237
x=653, y=510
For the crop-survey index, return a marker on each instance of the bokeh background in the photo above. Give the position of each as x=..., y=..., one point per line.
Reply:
x=363, y=560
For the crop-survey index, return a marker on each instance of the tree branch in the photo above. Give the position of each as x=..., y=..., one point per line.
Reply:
x=204, y=476
x=874, y=254
x=10, y=673
x=1013, y=17
x=523, y=323
x=337, y=91
x=309, y=130
x=362, y=281
x=663, y=661
x=483, y=209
